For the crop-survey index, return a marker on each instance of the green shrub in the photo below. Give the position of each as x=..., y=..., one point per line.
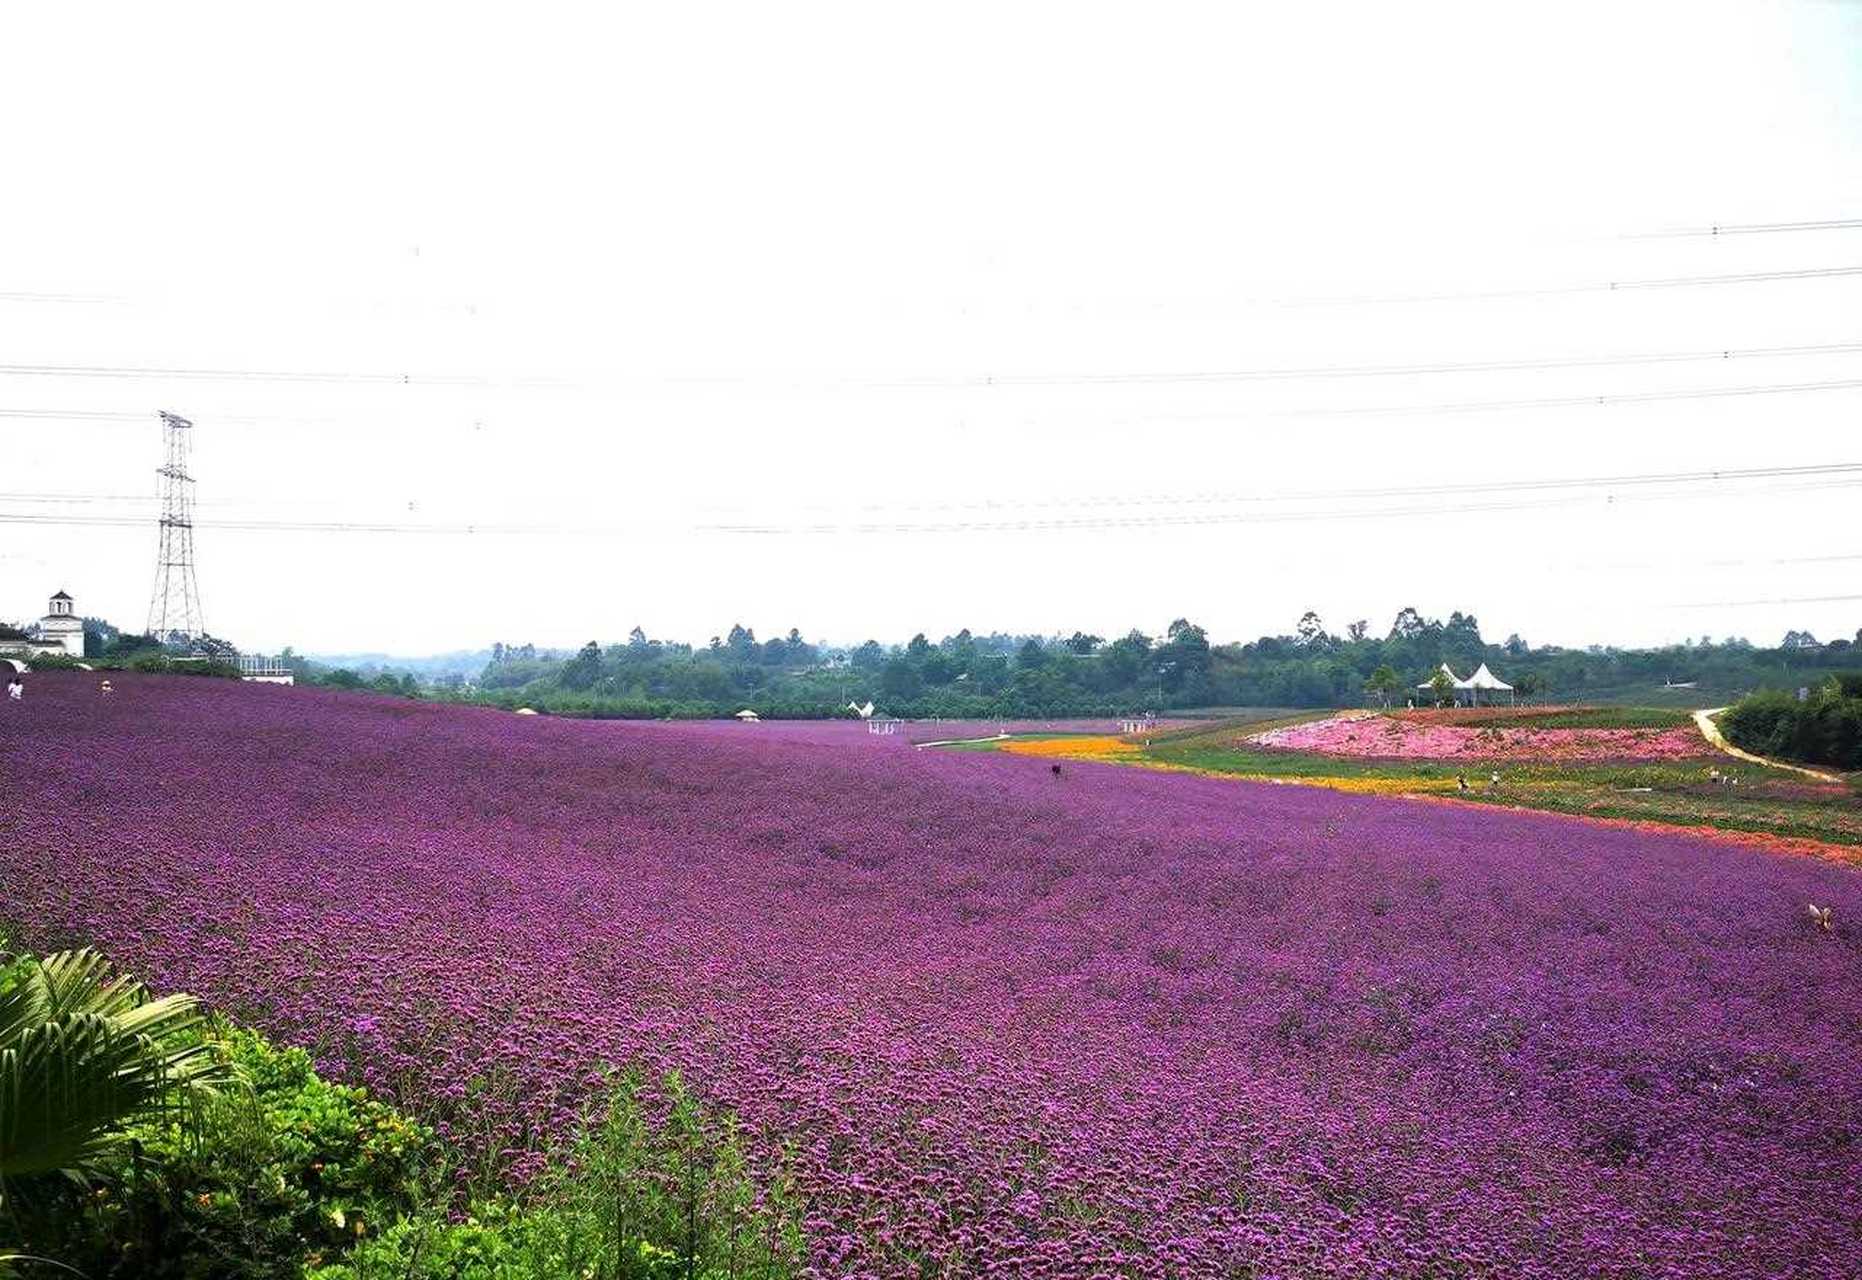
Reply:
x=261, y=1178
x=155, y=661
x=653, y=1187
x=1825, y=728
x=291, y=1176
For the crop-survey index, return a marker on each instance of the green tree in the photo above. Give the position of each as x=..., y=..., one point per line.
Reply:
x=583, y=670
x=898, y=679
x=1384, y=684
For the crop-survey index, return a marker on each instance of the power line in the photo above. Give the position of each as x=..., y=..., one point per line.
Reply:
x=74, y=415
x=1553, y=402
x=1634, y=480
x=1518, y=364
x=1748, y=229
x=1847, y=474
x=1086, y=523
x=1458, y=406
x=1484, y=406
x=1319, y=372
x=1643, y=479
x=233, y=375
x=1601, y=286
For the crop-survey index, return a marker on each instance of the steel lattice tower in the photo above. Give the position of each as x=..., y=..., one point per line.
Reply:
x=174, y=609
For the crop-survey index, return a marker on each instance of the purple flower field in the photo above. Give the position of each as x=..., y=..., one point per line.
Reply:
x=908, y=731
x=1116, y=1022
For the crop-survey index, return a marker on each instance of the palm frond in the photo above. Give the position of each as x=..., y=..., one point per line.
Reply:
x=83, y=1052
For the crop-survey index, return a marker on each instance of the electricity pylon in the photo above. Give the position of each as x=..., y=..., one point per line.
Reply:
x=174, y=610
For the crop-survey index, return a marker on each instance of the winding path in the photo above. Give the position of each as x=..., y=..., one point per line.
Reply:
x=1711, y=732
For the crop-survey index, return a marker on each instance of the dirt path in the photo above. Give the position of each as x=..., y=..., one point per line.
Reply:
x=1711, y=732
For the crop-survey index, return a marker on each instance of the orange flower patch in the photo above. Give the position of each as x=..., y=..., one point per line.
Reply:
x=1077, y=747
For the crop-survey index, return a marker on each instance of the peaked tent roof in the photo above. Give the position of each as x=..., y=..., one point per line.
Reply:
x=1448, y=671
x=1485, y=679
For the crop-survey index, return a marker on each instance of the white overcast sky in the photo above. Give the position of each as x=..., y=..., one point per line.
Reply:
x=902, y=290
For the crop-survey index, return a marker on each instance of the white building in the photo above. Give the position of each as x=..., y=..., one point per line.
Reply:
x=59, y=632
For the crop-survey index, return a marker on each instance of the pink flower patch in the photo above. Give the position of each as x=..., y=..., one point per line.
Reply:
x=1383, y=737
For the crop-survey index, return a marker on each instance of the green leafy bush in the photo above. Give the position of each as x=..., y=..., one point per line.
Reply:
x=655, y=1186
x=279, y=1173
x=258, y=1180
x=1825, y=728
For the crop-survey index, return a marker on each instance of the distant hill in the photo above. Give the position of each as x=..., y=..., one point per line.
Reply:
x=433, y=666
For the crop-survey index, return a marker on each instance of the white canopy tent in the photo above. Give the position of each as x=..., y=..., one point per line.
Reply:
x=1485, y=679
x=1482, y=679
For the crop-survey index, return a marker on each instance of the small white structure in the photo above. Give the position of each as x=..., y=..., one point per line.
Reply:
x=865, y=713
x=1137, y=724
x=524, y=711
x=1485, y=679
x=884, y=726
x=1482, y=679
x=258, y=669
x=748, y=716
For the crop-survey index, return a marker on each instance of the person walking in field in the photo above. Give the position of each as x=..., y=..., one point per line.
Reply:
x=16, y=689
x=106, y=690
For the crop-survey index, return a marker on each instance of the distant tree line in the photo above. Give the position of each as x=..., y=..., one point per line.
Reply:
x=970, y=675
x=1001, y=675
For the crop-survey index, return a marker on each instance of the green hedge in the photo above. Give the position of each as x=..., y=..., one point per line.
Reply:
x=151, y=661
x=1825, y=728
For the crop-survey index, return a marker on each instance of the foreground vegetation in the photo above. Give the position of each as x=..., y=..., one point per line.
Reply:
x=140, y=1139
